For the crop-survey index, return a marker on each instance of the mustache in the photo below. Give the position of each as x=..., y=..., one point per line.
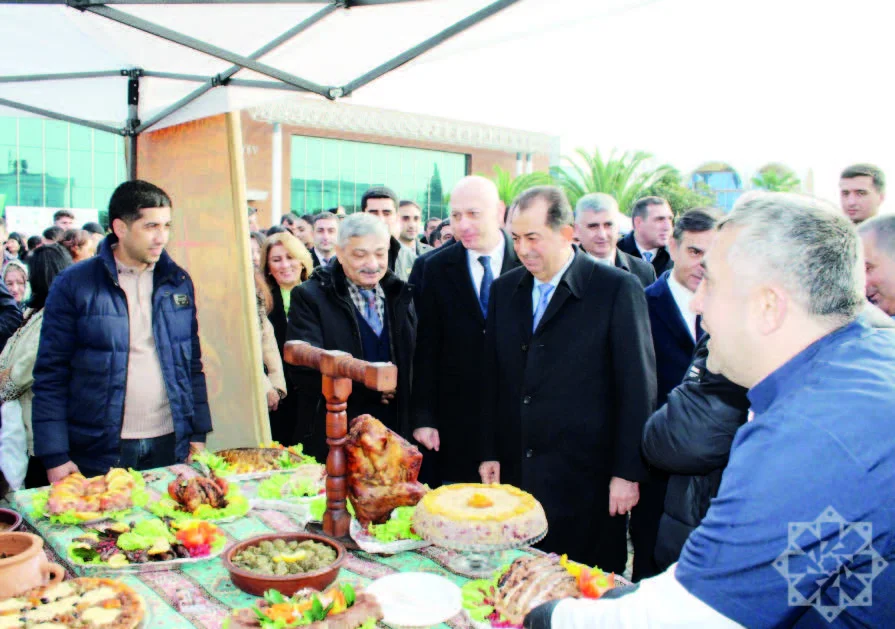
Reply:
x=371, y=271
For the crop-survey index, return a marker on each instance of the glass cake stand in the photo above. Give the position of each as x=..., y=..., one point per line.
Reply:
x=479, y=561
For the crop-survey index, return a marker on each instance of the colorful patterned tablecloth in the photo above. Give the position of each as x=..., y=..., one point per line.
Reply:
x=201, y=594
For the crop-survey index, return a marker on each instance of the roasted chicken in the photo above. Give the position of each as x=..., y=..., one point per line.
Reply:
x=382, y=471
x=111, y=492
x=200, y=490
x=531, y=581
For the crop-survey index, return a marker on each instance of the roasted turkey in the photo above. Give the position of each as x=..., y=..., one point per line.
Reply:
x=200, y=490
x=382, y=470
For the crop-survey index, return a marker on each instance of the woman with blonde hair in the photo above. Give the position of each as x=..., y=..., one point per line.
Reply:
x=285, y=263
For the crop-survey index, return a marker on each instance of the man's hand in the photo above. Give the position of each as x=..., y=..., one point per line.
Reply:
x=490, y=471
x=623, y=495
x=388, y=396
x=195, y=448
x=58, y=473
x=273, y=400
x=428, y=437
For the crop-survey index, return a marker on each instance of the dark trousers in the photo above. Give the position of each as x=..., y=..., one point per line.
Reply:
x=141, y=454
x=645, y=525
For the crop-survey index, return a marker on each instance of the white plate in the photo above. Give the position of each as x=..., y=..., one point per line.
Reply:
x=416, y=599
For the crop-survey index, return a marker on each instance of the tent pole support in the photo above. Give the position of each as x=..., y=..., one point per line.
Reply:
x=225, y=77
x=204, y=47
x=426, y=46
x=133, y=120
x=46, y=113
x=24, y=78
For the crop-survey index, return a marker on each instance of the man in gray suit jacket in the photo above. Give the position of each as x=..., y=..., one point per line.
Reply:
x=596, y=227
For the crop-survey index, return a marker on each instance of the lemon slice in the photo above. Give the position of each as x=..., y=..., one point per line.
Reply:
x=298, y=555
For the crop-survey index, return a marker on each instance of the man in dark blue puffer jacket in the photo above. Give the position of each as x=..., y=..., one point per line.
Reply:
x=118, y=380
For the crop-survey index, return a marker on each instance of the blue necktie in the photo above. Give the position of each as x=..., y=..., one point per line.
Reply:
x=648, y=256
x=487, y=280
x=371, y=316
x=546, y=290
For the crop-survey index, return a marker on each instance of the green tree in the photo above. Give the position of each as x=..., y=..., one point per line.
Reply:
x=681, y=198
x=509, y=187
x=435, y=195
x=625, y=177
x=776, y=180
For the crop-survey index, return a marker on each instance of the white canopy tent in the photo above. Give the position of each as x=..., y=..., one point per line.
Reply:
x=146, y=64
x=798, y=82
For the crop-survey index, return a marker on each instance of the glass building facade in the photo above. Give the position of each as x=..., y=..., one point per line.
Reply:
x=326, y=173
x=50, y=163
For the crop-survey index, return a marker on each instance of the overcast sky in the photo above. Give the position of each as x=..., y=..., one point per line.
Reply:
x=802, y=82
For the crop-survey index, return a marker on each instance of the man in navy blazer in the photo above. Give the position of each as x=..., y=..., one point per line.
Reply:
x=675, y=330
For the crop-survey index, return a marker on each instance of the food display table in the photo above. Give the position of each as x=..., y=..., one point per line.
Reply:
x=201, y=594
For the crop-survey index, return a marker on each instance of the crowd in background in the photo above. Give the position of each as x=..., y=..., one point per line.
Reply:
x=536, y=345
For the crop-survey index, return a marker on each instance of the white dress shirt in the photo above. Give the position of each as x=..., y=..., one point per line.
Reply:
x=641, y=250
x=477, y=271
x=536, y=293
x=682, y=297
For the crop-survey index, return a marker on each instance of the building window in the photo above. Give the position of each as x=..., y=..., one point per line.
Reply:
x=723, y=180
x=327, y=173
x=48, y=163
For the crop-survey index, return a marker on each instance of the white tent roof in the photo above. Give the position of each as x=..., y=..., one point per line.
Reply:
x=799, y=82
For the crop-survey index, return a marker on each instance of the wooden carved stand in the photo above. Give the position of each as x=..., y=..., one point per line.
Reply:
x=339, y=370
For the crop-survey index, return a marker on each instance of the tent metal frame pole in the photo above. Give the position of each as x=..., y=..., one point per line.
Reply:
x=46, y=113
x=64, y=76
x=427, y=45
x=343, y=4
x=204, y=47
x=200, y=78
x=133, y=120
x=225, y=76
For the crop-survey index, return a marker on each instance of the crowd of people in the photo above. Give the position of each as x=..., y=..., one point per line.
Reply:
x=697, y=384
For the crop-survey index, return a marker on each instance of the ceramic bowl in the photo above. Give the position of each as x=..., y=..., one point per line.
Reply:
x=10, y=517
x=257, y=584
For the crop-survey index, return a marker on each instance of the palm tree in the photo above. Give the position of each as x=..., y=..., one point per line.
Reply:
x=776, y=180
x=625, y=177
x=509, y=187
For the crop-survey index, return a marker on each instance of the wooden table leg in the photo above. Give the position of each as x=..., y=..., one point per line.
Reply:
x=336, y=520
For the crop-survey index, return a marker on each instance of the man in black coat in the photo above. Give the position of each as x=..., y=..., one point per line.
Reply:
x=453, y=285
x=570, y=382
x=326, y=233
x=354, y=305
x=596, y=227
x=652, y=218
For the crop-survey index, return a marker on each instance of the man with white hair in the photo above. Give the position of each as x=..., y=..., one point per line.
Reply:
x=878, y=235
x=801, y=532
x=596, y=227
x=356, y=305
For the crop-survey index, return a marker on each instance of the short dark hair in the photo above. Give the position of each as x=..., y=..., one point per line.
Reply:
x=406, y=202
x=324, y=216
x=258, y=237
x=866, y=170
x=131, y=197
x=94, y=228
x=436, y=233
x=276, y=229
x=34, y=242
x=288, y=217
x=18, y=238
x=44, y=264
x=63, y=214
x=53, y=233
x=699, y=219
x=559, y=211
x=641, y=206
x=378, y=192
